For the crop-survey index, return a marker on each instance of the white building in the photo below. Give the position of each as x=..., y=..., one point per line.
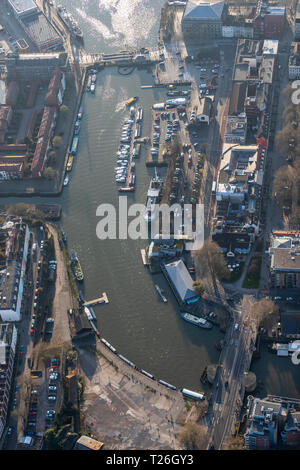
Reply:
x=23, y=8
x=8, y=342
x=14, y=241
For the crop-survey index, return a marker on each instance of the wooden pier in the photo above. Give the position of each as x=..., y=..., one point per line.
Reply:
x=100, y=300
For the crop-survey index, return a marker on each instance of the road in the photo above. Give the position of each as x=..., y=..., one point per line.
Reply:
x=228, y=389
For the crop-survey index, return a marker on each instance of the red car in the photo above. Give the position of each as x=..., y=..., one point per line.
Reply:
x=36, y=291
x=31, y=332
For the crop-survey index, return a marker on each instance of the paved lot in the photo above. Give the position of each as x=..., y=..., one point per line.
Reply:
x=127, y=411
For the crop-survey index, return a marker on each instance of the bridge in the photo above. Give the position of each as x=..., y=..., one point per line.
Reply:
x=228, y=388
x=123, y=58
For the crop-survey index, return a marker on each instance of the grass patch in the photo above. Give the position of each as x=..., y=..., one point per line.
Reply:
x=253, y=274
x=236, y=274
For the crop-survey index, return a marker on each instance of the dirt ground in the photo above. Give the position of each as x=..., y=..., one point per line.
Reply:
x=62, y=300
x=127, y=411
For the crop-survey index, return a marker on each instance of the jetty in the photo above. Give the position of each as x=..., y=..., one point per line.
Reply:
x=100, y=300
x=161, y=293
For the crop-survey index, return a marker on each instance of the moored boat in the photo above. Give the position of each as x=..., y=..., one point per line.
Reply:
x=153, y=198
x=131, y=101
x=76, y=266
x=201, y=322
x=126, y=189
x=70, y=163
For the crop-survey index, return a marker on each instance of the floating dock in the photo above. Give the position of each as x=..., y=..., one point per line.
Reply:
x=100, y=300
x=161, y=293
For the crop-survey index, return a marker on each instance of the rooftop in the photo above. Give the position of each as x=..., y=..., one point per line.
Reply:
x=23, y=6
x=204, y=9
x=41, y=30
x=270, y=47
x=87, y=443
x=181, y=280
x=285, y=259
x=236, y=125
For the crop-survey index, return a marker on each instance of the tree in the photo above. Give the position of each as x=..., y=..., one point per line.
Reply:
x=49, y=173
x=265, y=312
x=199, y=288
x=211, y=258
x=193, y=437
x=234, y=443
x=57, y=142
x=52, y=157
x=283, y=182
x=64, y=110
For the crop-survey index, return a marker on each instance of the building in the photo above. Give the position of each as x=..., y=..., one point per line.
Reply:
x=23, y=8
x=168, y=247
x=14, y=241
x=5, y=120
x=42, y=33
x=180, y=281
x=294, y=62
x=204, y=110
x=56, y=89
x=291, y=433
x=12, y=93
x=233, y=243
x=8, y=342
x=269, y=22
x=270, y=47
x=238, y=166
x=36, y=25
x=284, y=254
x=38, y=66
x=297, y=24
x=72, y=387
x=263, y=420
x=237, y=99
x=274, y=22
x=87, y=443
x=290, y=325
x=203, y=19
x=43, y=141
x=238, y=31
x=236, y=129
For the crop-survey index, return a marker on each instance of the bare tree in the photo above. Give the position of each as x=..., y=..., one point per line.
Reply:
x=265, y=312
x=283, y=182
x=211, y=258
x=234, y=443
x=193, y=437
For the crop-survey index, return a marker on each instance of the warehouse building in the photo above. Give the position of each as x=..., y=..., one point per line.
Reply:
x=203, y=19
x=23, y=8
x=180, y=281
x=39, y=66
x=36, y=25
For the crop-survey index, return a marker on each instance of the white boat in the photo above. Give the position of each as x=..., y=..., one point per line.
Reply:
x=153, y=196
x=66, y=181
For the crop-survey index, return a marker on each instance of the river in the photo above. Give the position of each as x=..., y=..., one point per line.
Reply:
x=136, y=322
